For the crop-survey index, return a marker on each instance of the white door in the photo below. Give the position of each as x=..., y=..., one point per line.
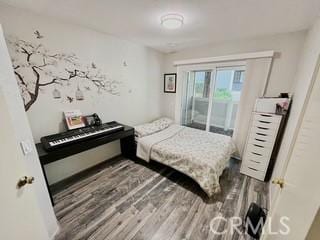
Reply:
x=25, y=213
x=20, y=215
x=299, y=199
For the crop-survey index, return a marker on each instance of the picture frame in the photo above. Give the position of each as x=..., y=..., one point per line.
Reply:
x=74, y=119
x=170, y=82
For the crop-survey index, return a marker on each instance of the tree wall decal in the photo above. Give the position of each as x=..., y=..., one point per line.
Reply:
x=37, y=68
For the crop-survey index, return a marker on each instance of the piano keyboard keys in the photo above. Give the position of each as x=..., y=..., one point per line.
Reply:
x=62, y=139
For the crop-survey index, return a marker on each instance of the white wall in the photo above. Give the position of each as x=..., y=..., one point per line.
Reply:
x=306, y=68
x=283, y=72
x=140, y=90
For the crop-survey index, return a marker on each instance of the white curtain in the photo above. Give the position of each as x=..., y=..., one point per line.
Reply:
x=255, y=84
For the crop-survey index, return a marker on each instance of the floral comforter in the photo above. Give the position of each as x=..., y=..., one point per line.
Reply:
x=201, y=155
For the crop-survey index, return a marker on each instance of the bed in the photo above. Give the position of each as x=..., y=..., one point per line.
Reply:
x=201, y=155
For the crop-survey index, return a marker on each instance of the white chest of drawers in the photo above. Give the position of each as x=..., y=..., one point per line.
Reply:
x=260, y=143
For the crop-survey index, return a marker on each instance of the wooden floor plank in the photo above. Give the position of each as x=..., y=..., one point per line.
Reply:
x=114, y=223
x=162, y=213
x=171, y=224
x=129, y=200
x=181, y=231
x=81, y=185
x=135, y=224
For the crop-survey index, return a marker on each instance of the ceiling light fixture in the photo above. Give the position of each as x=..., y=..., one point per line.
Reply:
x=172, y=21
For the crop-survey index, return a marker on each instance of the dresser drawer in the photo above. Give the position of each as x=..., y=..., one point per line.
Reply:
x=255, y=149
x=256, y=157
x=262, y=137
x=252, y=172
x=265, y=125
x=262, y=131
x=257, y=141
x=266, y=117
x=261, y=166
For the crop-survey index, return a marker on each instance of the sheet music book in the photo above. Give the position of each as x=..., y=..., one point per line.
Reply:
x=74, y=119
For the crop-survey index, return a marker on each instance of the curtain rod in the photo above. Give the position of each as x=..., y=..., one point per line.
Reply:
x=226, y=58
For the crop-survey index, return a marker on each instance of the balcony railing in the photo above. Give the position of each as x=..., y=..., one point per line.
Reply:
x=223, y=112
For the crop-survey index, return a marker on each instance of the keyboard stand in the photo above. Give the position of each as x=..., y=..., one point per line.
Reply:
x=125, y=136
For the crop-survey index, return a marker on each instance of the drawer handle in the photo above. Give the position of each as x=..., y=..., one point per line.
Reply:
x=263, y=128
x=260, y=140
x=261, y=134
x=258, y=145
x=256, y=153
x=254, y=161
x=253, y=169
x=265, y=115
x=264, y=122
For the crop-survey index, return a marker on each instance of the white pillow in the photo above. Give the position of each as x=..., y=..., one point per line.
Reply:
x=162, y=123
x=153, y=127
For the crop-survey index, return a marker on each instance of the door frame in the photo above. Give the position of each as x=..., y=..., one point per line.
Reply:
x=211, y=95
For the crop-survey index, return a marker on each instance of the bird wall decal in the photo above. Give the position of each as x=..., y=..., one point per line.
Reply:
x=38, y=35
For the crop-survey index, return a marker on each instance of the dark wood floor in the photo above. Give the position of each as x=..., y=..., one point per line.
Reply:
x=123, y=199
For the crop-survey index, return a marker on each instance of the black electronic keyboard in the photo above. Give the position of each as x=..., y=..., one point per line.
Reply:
x=72, y=136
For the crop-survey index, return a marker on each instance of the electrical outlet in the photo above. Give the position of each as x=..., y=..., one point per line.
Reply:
x=26, y=147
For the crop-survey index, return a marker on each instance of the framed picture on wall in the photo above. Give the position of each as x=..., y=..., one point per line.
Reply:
x=170, y=82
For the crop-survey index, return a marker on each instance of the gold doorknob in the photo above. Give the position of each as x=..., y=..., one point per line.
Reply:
x=279, y=182
x=25, y=180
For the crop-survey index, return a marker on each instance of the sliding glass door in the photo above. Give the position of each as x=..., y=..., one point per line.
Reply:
x=197, y=99
x=211, y=99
